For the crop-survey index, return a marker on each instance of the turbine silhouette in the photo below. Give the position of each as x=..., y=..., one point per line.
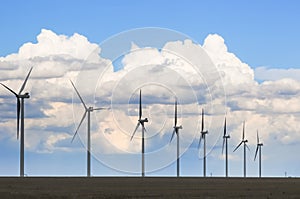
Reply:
x=245, y=145
x=203, y=136
x=87, y=112
x=225, y=142
x=141, y=122
x=20, y=113
x=258, y=149
x=176, y=130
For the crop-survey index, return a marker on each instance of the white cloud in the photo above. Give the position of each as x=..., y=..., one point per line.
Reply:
x=283, y=87
x=273, y=74
x=234, y=72
x=180, y=68
x=50, y=44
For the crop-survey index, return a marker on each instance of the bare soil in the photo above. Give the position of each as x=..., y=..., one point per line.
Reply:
x=148, y=187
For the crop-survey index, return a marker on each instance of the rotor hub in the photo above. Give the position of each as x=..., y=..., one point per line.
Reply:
x=143, y=120
x=26, y=95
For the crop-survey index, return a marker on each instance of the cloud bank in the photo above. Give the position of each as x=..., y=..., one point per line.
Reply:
x=200, y=76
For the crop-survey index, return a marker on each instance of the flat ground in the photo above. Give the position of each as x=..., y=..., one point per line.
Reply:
x=149, y=187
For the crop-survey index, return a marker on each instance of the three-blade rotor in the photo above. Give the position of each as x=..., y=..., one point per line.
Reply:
x=243, y=139
x=202, y=133
x=258, y=145
x=18, y=96
x=87, y=109
x=140, y=121
x=175, y=123
x=225, y=136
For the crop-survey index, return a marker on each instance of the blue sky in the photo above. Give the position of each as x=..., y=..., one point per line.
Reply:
x=262, y=34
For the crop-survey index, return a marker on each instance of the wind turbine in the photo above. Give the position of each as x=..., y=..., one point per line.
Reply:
x=88, y=111
x=245, y=145
x=141, y=122
x=202, y=136
x=176, y=130
x=20, y=113
x=225, y=142
x=258, y=148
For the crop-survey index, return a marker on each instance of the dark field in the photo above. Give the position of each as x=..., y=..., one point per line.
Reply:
x=149, y=187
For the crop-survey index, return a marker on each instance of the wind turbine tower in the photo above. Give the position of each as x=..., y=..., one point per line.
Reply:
x=87, y=112
x=141, y=122
x=225, y=142
x=258, y=149
x=203, y=136
x=20, y=113
x=176, y=130
x=244, y=141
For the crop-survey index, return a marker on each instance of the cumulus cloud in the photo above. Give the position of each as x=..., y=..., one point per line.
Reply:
x=273, y=74
x=50, y=44
x=233, y=70
x=206, y=76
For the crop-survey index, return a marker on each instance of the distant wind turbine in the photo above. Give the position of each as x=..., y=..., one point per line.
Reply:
x=225, y=142
x=258, y=149
x=176, y=130
x=88, y=111
x=245, y=145
x=20, y=113
x=203, y=136
x=141, y=122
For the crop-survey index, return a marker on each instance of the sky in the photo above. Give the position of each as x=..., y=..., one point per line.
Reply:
x=233, y=58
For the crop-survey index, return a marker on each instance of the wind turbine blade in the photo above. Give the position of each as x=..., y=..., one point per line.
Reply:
x=257, y=137
x=172, y=135
x=202, y=127
x=23, y=85
x=145, y=129
x=140, y=108
x=238, y=146
x=79, y=125
x=18, y=116
x=247, y=147
x=175, y=113
x=10, y=90
x=199, y=144
x=100, y=109
x=225, y=127
x=223, y=145
x=137, y=126
x=18, y=108
x=78, y=95
x=243, y=136
x=256, y=152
